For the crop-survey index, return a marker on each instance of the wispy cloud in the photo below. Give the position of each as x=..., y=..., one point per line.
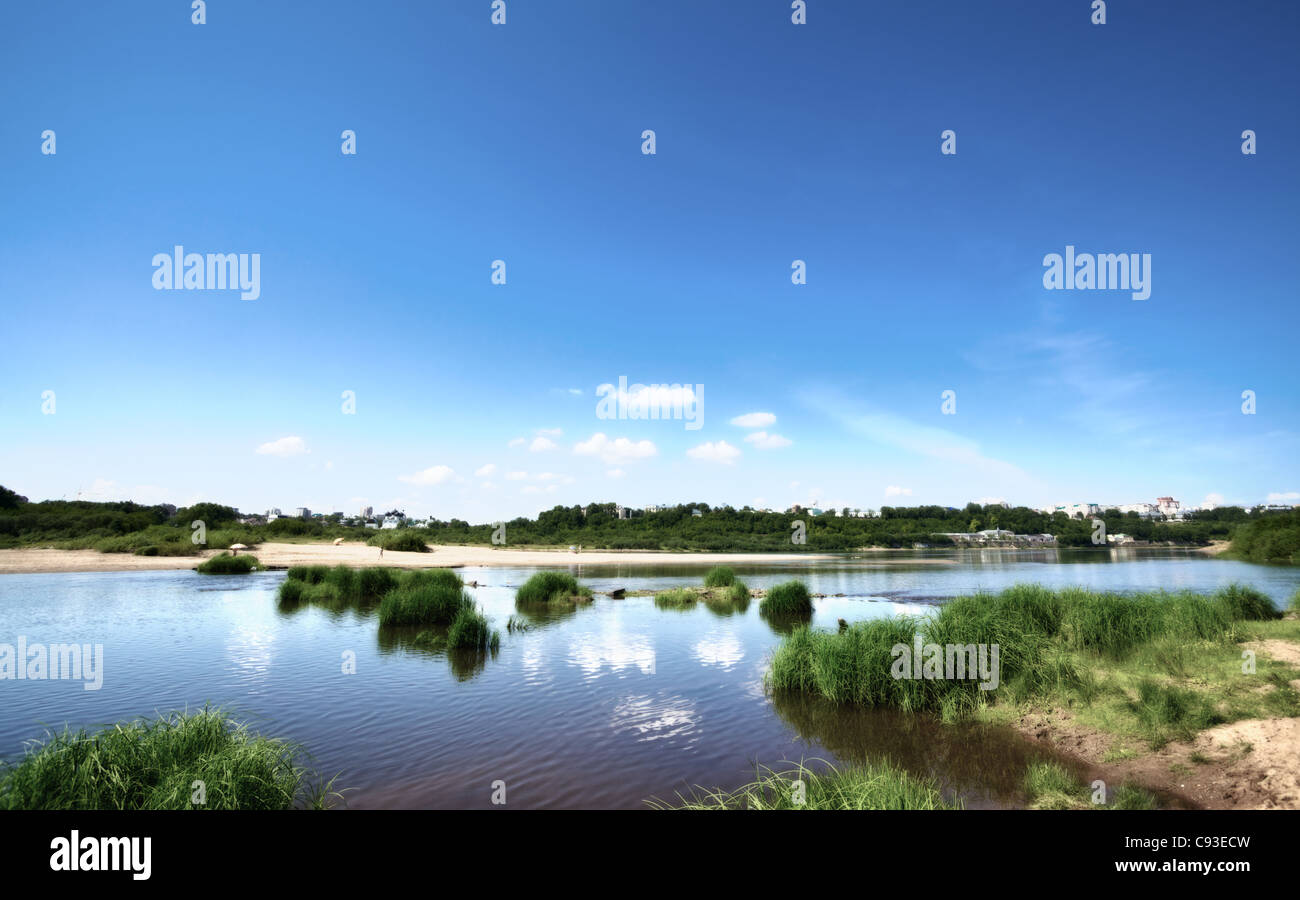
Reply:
x=764, y=441
x=718, y=452
x=284, y=447
x=430, y=476
x=755, y=420
x=617, y=451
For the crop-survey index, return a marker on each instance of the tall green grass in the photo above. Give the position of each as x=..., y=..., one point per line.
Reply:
x=470, y=631
x=552, y=588
x=719, y=576
x=425, y=597
x=228, y=565
x=153, y=764
x=338, y=586
x=677, y=598
x=880, y=786
x=1039, y=633
x=788, y=599
x=733, y=599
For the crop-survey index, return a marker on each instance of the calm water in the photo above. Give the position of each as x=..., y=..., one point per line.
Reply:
x=606, y=707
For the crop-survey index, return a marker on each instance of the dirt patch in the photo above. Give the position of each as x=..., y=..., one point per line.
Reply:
x=1283, y=651
x=1251, y=764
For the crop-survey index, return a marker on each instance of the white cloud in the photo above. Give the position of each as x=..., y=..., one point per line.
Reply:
x=429, y=476
x=755, y=420
x=552, y=432
x=1211, y=501
x=615, y=473
x=485, y=470
x=764, y=441
x=720, y=452
x=895, y=491
x=541, y=443
x=516, y=476
x=577, y=392
x=1287, y=497
x=285, y=446
x=518, y=442
x=619, y=450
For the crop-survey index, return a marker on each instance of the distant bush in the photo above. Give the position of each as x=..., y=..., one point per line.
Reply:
x=228, y=565
x=719, y=576
x=404, y=540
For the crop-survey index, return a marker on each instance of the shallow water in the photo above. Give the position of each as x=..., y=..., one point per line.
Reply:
x=608, y=706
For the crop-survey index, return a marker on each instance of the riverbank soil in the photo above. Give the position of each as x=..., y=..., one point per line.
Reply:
x=1246, y=764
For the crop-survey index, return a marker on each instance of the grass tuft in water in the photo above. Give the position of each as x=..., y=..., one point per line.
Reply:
x=552, y=589
x=470, y=631
x=678, y=598
x=719, y=576
x=426, y=597
x=790, y=599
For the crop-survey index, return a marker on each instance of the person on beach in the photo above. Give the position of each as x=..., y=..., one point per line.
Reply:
x=381, y=552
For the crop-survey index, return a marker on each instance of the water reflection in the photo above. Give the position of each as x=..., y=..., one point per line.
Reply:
x=983, y=764
x=430, y=643
x=722, y=649
x=611, y=649
x=655, y=718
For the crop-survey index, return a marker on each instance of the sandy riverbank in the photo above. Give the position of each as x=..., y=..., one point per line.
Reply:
x=358, y=554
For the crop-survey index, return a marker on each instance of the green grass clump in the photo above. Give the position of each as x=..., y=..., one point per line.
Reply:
x=881, y=786
x=1048, y=785
x=337, y=586
x=1128, y=796
x=1246, y=603
x=734, y=598
x=719, y=576
x=678, y=598
x=153, y=764
x=552, y=588
x=470, y=631
x=1073, y=644
x=788, y=599
x=1172, y=713
x=400, y=539
x=308, y=574
x=430, y=597
x=228, y=565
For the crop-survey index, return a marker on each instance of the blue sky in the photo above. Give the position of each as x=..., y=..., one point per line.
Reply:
x=522, y=142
